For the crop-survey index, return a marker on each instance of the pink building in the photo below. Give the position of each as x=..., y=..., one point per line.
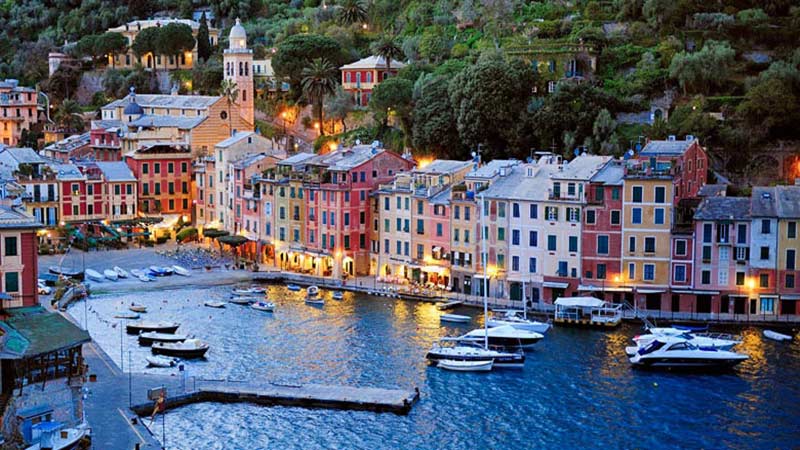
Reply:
x=245, y=198
x=361, y=77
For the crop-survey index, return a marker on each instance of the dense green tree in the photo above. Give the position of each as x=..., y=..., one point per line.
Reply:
x=434, y=129
x=319, y=81
x=351, y=11
x=603, y=133
x=207, y=76
x=63, y=83
x=490, y=99
x=174, y=39
x=386, y=47
x=140, y=9
x=296, y=51
x=146, y=42
x=112, y=44
x=772, y=108
x=434, y=45
x=394, y=98
x=339, y=106
x=67, y=116
x=203, y=40
x=87, y=46
x=705, y=69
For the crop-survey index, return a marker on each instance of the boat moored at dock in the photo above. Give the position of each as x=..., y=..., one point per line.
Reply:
x=161, y=327
x=190, y=348
x=675, y=353
x=150, y=337
x=587, y=311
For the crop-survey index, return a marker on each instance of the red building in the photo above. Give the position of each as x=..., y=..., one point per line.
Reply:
x=601, y=240
x=164, y=172
x=361, y=77
x=338, y=209
x=689, y=163
x=18, y=258
x=81, y=194
x=104, y=141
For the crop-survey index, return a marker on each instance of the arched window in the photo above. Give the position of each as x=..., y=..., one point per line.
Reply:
x=369, y=77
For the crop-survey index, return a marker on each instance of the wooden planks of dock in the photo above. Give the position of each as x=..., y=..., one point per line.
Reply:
x=396, y=401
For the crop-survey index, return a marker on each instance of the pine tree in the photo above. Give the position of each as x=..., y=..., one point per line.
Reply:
x=203, y=43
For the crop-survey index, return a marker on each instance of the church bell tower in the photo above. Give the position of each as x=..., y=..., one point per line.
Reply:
x=238, y=67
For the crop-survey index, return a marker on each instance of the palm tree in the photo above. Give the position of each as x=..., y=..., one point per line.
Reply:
x=352, y=11
x=68, y=116
x=387, y=48
x=319, y=80
x=230, y=90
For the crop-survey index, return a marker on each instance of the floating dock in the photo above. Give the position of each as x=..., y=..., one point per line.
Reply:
x=395, y=401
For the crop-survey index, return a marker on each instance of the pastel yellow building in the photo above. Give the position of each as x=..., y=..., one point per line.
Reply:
x=131, y=29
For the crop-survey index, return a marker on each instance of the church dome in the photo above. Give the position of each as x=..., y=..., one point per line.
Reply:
x=133, y=108
x=238, y=37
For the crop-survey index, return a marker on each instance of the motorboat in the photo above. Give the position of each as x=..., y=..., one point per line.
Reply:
x=190, y=348
x=126, y=315
x=137, y=272
x=466, y=366
x=122, y=273
x=243, y=300
x=316, y=301
x=722, y=341
x=161, y=327
x=463, y=352
x=94, y=275
x=337, y=295
x=249, y=291
x=158, y=271
x=53, y=436
x=505, y=336
x=668, y=352
x=455, y=318
x=138, y=308
x=213, y=304
x=145, y=278
x=67, y=273
x=150, y=337
x=263, y=306
x=160, y=361
x=312, y=291
x=775, y=336
x=293, y=287
x=513, y=318
x=182, y=271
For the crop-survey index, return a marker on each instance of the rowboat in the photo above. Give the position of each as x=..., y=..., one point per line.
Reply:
x=249, y=291
x=182, y=271
x=337, y=295
x=775, y=336
x=190, y=348
x=455, y=318
x=111, y=274
x=160, y=361
x=68, y=273
x=94, y=275
x=126, y=315
x=263, y=306
x=292, y=287
x=466, y=366
x=213, y=304
x=138, y=308
x=122, y=273
x=243, y=300
x=150, y=337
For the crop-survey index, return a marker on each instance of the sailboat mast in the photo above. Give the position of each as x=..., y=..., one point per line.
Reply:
x=485, y=262
x=524, y=302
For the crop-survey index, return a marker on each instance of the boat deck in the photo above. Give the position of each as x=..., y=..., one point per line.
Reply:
x=308, y=396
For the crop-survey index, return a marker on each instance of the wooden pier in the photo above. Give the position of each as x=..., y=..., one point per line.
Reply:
x=395, y=401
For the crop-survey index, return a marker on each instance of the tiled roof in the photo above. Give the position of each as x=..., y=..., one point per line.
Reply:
x=492, y=168
x=762, y=202
x=14, y=86
x=346, y=158
x=237, y=136
x=67, y=172
x=297, y=158
x=443, y=166
x=372, y=62
x=442, y=198
x=610, y=174
x=666, y=148
x=788, y=201
x=248, y=160
x=158, y=121
x=713, y=190
x=11, y=218
x=70, y=143
x=46, y=332
x=518, y=186
x=107, y=124
x=21, y=155
x=583, y=167
x=115, y=171
x=723, y=208
x=167, y=101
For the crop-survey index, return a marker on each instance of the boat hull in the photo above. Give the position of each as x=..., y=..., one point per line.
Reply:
x=147, y=341
x=74, y=274
x=538, y=327
x=500, y=360
x=662, y=363
x=466, y=366
x=455, y=318
x=181, y=353
x=136, y=329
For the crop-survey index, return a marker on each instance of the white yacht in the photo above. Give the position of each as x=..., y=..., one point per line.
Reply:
x=462, y=352
x=669, y=352
x=517, y=320
x=721, y=341
x=505, y=336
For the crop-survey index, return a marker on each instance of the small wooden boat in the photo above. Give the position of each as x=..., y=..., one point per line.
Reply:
x=775, y=336
x=466, y=366
x=190, y=348
x=68, y=273
x=160, y=361
x=138, y=308
x=161, y=327
x=249, y=291
x=263, y=306
x=293, y=287
x=145, y=278
x=137, y=272
x=213, y=304
x=243, y=300
x=182, y=271
x=111, y=274
x=455, y=318
x=337, y=295
x=448, y=305
x=122, y=273
x=94, y=275
x=316, y=301
x=149, y=338
x=126, y=315
x=312, y=291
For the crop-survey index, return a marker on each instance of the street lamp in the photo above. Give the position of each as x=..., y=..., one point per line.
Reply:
x=283, y=116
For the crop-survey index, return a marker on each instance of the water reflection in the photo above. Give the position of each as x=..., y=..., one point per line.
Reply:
x=576, y=391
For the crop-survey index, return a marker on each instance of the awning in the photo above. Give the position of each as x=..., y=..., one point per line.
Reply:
x=651, y=291
x=695, y=291
x=789, y=297
x=46, y=332
x=588, y=302
x=591, y=287
x=555, y=285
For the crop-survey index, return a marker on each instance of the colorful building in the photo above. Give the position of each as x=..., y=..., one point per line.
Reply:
x=38, y=180
x=164, y=175
x=19, y=108
x=361, y=77
x=74, y=147
x=19, y=270
x=119, y=189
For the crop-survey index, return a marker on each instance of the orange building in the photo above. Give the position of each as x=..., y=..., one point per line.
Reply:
x=164, y=174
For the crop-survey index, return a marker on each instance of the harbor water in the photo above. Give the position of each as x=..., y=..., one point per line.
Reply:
x=577, y=389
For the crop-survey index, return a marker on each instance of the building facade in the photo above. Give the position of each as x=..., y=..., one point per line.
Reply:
x=18, y=105
x=361, y=77
x=19, y=270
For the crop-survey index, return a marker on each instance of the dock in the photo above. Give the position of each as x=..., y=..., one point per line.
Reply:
x=449, y=305
x=395, y=401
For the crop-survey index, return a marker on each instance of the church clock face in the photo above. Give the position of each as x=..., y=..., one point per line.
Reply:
x=223, y=115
